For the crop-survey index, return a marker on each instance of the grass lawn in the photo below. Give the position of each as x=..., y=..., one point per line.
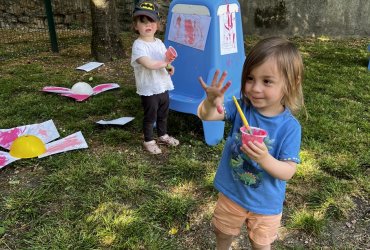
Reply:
x=114, y=196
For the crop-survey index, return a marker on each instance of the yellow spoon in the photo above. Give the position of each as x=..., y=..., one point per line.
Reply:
x=246, y=125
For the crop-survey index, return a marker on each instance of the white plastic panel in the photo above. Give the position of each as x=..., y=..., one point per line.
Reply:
x=191, y=9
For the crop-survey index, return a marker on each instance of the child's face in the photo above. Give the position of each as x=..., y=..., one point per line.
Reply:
x=146, y=28
x=264, y=88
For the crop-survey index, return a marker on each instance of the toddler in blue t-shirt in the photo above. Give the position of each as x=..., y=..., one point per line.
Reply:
x=251, y=178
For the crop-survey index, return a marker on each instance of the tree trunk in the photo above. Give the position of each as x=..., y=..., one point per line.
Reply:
x=106, y=44
x=163, y=10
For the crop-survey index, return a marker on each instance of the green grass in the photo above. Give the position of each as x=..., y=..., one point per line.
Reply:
x=114, y=196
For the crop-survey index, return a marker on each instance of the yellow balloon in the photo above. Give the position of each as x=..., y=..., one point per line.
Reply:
x=27, y=146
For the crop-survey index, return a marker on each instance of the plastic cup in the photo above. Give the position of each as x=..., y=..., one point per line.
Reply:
x=171, y=54
x=257, y=134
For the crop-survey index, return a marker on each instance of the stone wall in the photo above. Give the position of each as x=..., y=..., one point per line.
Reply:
x=336, y=18
x=68, y=14
x=30, y=14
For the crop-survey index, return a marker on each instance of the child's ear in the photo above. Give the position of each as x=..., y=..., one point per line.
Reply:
x=134, y=26
x=159, y=26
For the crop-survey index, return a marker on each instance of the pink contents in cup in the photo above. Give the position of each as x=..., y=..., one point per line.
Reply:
x=257, y=134
x=171, y=54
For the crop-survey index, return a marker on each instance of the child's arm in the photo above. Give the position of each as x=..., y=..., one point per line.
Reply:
x=209, y=108
x=151, y=64
x=283, y=170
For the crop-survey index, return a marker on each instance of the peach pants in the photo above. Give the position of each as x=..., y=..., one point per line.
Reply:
x=229, y=217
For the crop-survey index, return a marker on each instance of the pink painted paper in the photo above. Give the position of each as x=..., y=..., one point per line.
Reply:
x=71, y=142
x=189, y=30
x=77, y=97
x=104, y=87
x=228, y=41
x=7, y=137
x=46, y=131
x=68, y=92
x=58, y=90
x=6, y=158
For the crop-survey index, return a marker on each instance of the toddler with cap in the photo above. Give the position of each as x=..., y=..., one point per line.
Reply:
x=152, y=75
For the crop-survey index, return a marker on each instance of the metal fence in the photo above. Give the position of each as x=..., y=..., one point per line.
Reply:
x=24, y=25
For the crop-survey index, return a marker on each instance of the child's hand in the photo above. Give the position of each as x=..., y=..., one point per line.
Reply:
x=168, y=60
x=215, y=92
x=170, y=69
x=256, y=151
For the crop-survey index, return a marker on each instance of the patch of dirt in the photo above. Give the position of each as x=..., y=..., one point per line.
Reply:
x=20, y=178
x=352, y=233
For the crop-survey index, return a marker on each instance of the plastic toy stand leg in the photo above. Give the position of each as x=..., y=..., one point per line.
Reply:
x=213, y=131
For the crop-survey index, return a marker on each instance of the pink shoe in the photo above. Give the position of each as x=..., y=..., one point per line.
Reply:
x=152, y=147
x=169, y=140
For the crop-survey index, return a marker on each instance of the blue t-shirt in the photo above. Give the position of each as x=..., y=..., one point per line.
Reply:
x=243, y=180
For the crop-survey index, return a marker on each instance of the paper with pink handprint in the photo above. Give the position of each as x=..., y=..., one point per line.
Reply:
x=6, y=158
x=46, y=131
x=189, y=29
x=228, y=39
x=71, y=142
x=78, y=97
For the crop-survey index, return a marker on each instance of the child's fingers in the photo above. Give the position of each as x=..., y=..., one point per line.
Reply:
x=170, y=70
x=222, y=79
x=204, y=85
x=255, y=150
x=224, y=88
x=215, y=77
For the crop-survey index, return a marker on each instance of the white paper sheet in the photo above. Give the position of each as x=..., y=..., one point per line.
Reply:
x=228, y=39
x=71, y=142
x=6, y=158
x=46, y=131
x=189, y=30
x=90, y=66
x=119, y=121
x=80, y=97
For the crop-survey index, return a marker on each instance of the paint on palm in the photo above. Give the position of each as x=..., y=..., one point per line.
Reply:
x=243, y=168
x=46, y=132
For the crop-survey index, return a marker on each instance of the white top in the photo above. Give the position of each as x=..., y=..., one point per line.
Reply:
x=148, y=81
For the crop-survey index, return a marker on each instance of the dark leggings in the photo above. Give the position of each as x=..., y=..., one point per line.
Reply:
x=156, y=108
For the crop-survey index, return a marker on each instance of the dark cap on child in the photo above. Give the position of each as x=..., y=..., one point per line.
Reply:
x=147, y=8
